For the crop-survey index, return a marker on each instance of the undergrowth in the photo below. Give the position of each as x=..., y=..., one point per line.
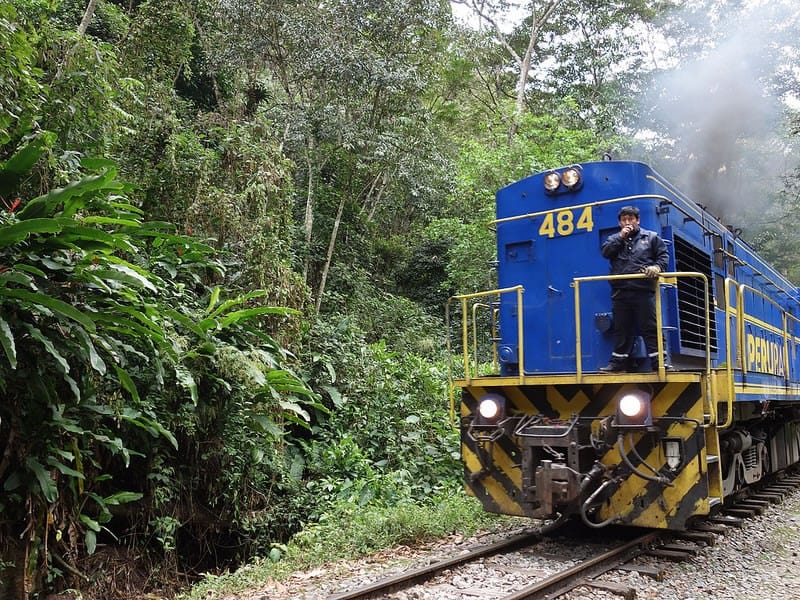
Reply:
x=348, y=532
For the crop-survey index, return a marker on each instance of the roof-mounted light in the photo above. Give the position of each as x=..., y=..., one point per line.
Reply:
x=551, y=181
x=571, y=177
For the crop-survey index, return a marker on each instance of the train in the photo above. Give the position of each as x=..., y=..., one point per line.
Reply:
x=546, y=434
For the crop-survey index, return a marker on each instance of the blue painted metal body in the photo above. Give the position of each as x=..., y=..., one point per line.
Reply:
x=546, y=240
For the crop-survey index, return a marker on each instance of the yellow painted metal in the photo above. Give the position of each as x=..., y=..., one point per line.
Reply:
x=715, y=488
x=499, y=494
x=728, y=349
x=469, y=374
x=782, y=331
x=520, y=334
x=465, y=326
x=671, y=498
x=578, y=347
x=475, y=308
x=571, y=378
x=464, y=337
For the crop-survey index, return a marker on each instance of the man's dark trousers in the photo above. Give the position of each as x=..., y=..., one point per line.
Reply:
x=633, y=310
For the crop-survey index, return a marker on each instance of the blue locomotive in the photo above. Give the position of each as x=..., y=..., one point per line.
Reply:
x=545, y=434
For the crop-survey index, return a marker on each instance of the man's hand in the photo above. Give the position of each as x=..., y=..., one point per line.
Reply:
x=652, y=271
x=626, y=231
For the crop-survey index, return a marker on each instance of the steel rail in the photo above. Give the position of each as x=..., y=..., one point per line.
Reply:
x=406, y=580
x=564, y=581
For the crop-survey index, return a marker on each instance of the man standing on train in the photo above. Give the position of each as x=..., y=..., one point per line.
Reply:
x=633, y=305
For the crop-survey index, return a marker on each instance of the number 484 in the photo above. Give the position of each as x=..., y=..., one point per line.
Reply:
x=563, y=222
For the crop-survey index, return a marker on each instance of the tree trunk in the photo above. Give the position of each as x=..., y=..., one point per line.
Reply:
x=87, y=18
x=526, y=61
x=491, y=13
x=329, y=256
x=308, y=221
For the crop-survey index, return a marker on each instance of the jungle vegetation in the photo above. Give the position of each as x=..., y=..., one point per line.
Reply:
x=228, y=232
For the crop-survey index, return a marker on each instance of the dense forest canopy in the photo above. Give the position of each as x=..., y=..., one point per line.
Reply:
x=229, y=231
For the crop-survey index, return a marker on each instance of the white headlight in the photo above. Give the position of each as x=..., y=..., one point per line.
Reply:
x=489, y=408
x=631, y=405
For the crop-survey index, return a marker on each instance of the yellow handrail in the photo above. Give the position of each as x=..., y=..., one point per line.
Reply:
x=472, y=371
x=659, y=324
x=728, y=349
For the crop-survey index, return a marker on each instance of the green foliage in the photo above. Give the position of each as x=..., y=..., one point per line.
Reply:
x=110, y=329
x=20, y=88
x=139, y=366
x=348, y=531
x=109, y=22
x=159, y=45
x=388, y=437
x=229, y=183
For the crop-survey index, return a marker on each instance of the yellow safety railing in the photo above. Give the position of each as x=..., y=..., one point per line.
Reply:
x=736, y=318
x=470, y=359
x=663, y=278
x=739, y=312
x=729, y=357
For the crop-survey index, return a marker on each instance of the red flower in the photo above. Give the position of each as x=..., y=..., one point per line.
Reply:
x=14, y=205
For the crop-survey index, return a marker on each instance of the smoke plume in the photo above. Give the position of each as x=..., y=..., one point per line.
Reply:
x=720, y=115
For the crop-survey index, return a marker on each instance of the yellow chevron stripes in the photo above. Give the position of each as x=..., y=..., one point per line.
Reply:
x=645, y=503
x=491, y=486
x=677, y=407
x=566, y=406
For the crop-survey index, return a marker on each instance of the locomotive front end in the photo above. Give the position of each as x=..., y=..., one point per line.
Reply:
x=545, y=433
x=623, y=453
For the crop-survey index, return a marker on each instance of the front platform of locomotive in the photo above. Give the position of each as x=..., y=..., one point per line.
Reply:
x=544, y=432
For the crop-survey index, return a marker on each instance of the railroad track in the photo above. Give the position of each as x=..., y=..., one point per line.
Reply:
x=658, y=546
x=551, y=586
x=410, y=578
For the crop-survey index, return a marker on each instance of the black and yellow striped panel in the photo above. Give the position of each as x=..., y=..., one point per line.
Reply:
x=493, y=470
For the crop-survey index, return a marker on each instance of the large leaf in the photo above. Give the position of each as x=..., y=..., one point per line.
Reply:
x=94, y=238
x=7, y=340
x=127, y=383
x=123, y=498
x=187, y=380
x=150, y=425
x=243, y=315
x=249, y=313
x=17, y=277
x=237, y=301
x=54, y=304
x=15, y=233
x=90, y=351
x=101, y=220
x=46, y=483
x=64, y=469
x=16, y=168
x=37, y=334
x=266, y=424
x=72, y=196
x=123, y=274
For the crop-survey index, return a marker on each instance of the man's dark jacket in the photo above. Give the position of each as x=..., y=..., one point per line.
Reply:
x=632, y=255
